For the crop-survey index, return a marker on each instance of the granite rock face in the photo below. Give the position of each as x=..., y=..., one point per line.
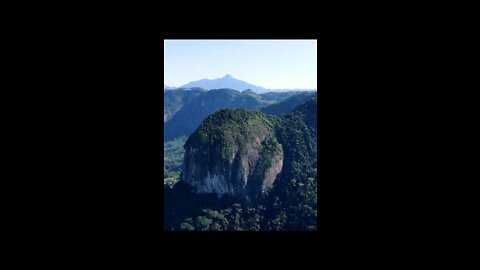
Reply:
x=240, y=161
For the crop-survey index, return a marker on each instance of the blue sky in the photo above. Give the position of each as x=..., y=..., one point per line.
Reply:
x=273, y=64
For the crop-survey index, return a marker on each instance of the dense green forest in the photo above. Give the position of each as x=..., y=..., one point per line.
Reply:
x=173, y=157
x=291, y=204
x=288, y=104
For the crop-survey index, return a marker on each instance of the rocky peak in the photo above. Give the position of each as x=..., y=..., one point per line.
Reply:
x=233, y=152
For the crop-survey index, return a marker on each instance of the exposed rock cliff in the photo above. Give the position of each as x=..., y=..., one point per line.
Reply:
x=233, y=152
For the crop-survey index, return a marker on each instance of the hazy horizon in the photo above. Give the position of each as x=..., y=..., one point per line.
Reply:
x=272, y=64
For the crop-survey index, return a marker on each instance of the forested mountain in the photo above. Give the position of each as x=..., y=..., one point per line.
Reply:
x=184, y=109
x=189, y=117
x=193, y=113
x=308, y=111
x=278, y=96
x=244, y=170
x=288, y=104
x=174, y=100
x=233, y=152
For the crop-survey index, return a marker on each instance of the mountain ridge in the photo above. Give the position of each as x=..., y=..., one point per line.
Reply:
x=228, y=81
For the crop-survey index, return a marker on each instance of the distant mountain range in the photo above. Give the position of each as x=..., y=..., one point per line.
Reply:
x=231, y=83
x=226, y=82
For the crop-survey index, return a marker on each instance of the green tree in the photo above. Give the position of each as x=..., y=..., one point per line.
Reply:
x=219, y=221
x=184, y=226
x=236, y=218
x=203, y=223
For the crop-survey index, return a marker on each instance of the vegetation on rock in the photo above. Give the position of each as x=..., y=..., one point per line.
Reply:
x=291, y=204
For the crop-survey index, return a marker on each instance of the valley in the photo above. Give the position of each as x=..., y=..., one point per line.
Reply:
x=173, y=158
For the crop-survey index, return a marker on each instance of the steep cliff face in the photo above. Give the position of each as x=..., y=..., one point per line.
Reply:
x=233, y=152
